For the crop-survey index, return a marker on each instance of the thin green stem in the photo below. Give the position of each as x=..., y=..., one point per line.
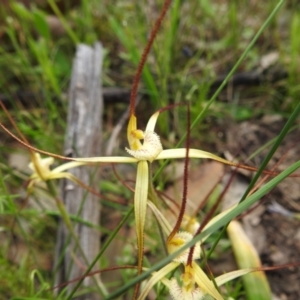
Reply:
x=63, y=21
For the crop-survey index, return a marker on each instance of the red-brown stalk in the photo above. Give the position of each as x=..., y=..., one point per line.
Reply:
x=185, y=179
x=144, y=56
x=137, y=77
x=209, y=216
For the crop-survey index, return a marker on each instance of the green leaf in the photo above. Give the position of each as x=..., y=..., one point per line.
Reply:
x=256, y=284
x=40, y=24
x=21, y=11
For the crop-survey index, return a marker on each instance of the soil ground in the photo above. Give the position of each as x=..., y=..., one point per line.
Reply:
x=274, y=227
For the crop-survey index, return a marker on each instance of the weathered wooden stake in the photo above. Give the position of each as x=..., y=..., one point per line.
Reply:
x=83, y=138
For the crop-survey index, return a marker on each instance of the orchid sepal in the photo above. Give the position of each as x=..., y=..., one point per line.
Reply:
x=107, y=159
x=140, y=206
x=193, y=153
x=167, y=228
x=133, y=142
x=42, y=172
x=205, y=284
x=156, y=277
x=152, y=122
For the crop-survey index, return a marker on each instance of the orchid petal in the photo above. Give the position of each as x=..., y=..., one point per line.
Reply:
x=65, y=175
x=167, y=228
x=108, y=159
x=193, y=153
x=156, y=277
x=220, y=280
x=41, y=166
x=205, y=284
x=152, y=122
x=35, y=178
x=166, y=282
x=66, y=166
x=140, y=205
x=42, y=171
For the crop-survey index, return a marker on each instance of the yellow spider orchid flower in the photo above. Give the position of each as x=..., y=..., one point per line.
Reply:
x=42, y=172
x=188, y=289
x=194, y=282
x=143, y=154
x=192, y=275
x=194, y=285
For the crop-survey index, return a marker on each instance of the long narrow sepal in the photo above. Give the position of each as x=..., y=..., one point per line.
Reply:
x=156, y=277
x=193, y=153
x=152, y=122
x=140, y=206
x=222, y=279
x=108, y=159
x=167, y=228
x=67, y=166
x=41, y=166
x=205, y=284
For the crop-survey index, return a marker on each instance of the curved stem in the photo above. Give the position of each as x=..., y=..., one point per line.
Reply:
x=185, y=180
x=144, y=56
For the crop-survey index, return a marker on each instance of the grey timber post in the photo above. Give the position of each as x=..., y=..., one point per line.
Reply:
x=83, y=139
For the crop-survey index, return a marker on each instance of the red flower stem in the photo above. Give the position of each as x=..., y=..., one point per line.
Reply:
x=144, y=56
x=185, y=179
x=210, y=214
